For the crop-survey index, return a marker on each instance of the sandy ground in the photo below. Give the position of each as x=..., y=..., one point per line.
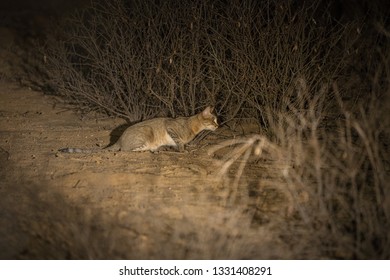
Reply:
x=112, y=205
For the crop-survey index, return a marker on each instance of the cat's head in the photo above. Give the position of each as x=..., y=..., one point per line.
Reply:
x=209, y=120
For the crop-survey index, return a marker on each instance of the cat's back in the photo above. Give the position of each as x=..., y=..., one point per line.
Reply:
x=149, y=128
x=156, y=124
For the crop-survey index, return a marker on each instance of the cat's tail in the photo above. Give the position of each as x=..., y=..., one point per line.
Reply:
x=78, y=150
x=112, y=148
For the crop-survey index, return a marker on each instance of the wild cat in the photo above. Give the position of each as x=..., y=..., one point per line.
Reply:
x=152, y=134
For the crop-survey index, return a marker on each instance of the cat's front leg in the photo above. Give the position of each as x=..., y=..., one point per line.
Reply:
x=177, y=139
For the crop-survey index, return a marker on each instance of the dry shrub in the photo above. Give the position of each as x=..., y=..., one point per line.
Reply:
x=139, y=59
x=134, y=60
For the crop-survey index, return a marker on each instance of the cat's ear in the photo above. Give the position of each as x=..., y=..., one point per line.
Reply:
x=207, y=112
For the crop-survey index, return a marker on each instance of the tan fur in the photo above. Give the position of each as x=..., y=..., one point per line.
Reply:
x=152, y=134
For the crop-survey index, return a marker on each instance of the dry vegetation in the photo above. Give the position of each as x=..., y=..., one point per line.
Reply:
x=142, y=59
x=317, y=87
